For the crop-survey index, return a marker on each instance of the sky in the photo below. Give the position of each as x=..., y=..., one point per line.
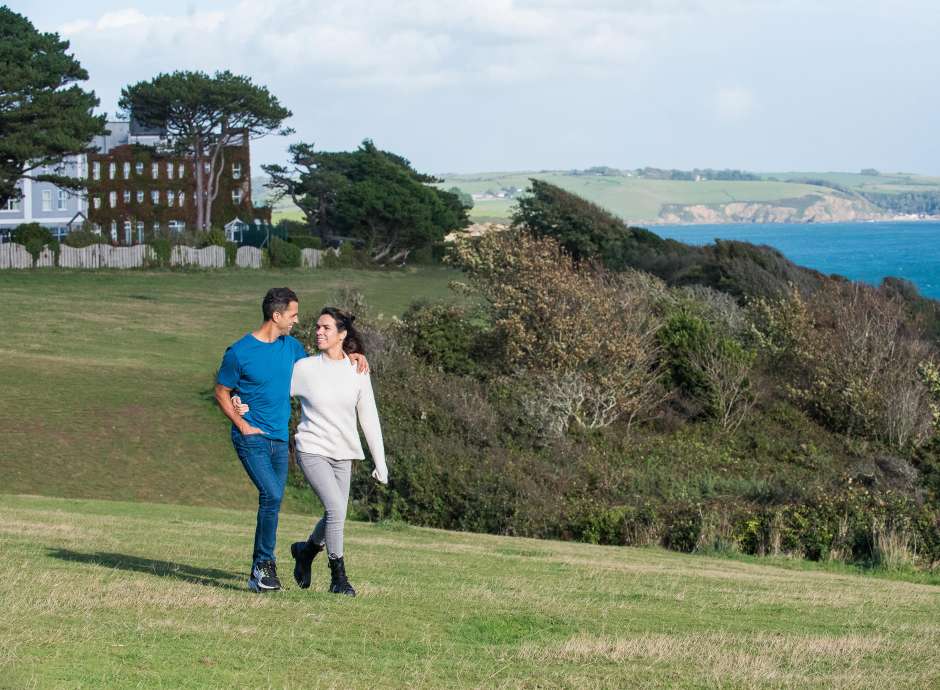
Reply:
x=500, y=85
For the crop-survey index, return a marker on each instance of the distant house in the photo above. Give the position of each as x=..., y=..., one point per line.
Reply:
x=135, y=189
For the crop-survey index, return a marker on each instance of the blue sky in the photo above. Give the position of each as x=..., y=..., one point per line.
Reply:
x=553, y=84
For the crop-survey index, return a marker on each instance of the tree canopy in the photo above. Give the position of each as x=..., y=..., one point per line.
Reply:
x=201, y=115
x=44, y=114
x=370, y=195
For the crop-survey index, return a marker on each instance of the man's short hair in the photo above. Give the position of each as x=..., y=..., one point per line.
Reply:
x=277, y=299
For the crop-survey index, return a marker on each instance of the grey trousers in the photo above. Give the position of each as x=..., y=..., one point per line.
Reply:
x=329, y=478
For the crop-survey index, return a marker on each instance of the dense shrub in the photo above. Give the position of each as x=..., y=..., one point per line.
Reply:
x=162, y=248
x=451, y=338
x=850, y=354
x=347, y=256
x=306, y=241
x=83, y=238
x=582, y=340
x=34, y=237
x=283, y=254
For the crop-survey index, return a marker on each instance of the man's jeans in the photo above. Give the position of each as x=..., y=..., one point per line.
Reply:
x=265, y=460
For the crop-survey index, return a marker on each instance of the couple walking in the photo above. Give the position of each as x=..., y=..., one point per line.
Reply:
x=259, y=374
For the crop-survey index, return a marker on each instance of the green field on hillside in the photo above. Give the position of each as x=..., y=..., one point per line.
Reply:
x=640, y=200
x=107, y=376
x=106, y=594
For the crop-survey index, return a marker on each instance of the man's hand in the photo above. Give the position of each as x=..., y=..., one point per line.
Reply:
x=223, y=396
x=362, y=364
x=379, y=477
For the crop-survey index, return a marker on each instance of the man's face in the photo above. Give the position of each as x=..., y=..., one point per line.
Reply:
x=285, y=320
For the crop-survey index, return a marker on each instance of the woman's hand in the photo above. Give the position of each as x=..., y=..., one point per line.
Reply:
x=240, y=407
x=362, y=364
x=380, y=477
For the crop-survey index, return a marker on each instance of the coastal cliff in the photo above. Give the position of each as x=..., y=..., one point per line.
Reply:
x=813, y=208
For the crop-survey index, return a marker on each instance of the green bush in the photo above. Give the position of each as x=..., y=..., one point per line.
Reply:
x=306, y=241
x=34, y=237
x=83, y=238
x=347, y=257
x=283, y=254
x=450, y=338
x=161, y=249
x=209, y=238
x=231, y=252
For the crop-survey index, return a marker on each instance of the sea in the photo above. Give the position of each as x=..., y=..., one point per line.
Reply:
x=860, y=251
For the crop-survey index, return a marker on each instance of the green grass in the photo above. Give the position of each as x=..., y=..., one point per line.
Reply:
x=639, y=200
x=109, y=594
x=107, y=376
x=635, y=199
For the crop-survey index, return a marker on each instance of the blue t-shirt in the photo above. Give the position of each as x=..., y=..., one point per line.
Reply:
x=260, y=373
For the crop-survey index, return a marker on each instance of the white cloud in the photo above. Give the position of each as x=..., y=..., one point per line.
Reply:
x=734, y=104
x=405, y=43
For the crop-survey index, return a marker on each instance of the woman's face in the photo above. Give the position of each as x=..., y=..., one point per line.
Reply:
x=327, y=335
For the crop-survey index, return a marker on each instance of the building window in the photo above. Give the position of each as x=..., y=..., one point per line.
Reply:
x=112, y=170
x=96, y=170
x=236, y=171
x=127, y=170
x=139, y=167
x=112, y=199
x=13, y=205
x=127, y=231
x=140, y=196
x=63, y=200
x=95, y=228
x=181, y=199
x=181, y=169
x=97, y=202
x=114, y=231
x=156, y=227
x=236, y=196
x=154, y=197
x=127, y=196
x=169, y=198
x=47, y=200
x=140, y=232
x=176, y=226
x=155, y=170
x=169, y=171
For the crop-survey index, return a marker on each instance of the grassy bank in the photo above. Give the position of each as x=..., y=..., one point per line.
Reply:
x=107, y=376
x=102, y=594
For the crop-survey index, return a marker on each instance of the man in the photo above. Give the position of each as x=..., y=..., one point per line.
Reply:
x=258, y=367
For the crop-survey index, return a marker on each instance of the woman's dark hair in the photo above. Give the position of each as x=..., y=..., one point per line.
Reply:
x=352, y=343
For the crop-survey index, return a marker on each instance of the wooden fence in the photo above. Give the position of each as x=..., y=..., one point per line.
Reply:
x=207, y=257
x=248, y=257
x=106, y=256
x=14, y=256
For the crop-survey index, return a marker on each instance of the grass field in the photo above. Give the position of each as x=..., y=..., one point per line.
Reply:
x=106, y=377
x=640, y=200
x=634, y=199
x=109, y=594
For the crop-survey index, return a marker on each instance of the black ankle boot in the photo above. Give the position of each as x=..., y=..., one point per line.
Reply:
x=303, y=552
x=339, y=584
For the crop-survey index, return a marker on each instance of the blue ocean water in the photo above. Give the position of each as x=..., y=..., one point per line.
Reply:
x=860, y=251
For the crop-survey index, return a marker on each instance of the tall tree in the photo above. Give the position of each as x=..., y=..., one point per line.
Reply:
x=201, y=116
x=368, y=194
x=44, y=114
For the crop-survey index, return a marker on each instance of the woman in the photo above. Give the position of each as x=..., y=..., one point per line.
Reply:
x=332, y=395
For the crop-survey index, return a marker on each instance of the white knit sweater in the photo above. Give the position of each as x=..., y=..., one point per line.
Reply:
x=331, y=394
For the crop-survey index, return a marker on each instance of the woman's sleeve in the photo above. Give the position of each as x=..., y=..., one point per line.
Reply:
x=369, y=421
